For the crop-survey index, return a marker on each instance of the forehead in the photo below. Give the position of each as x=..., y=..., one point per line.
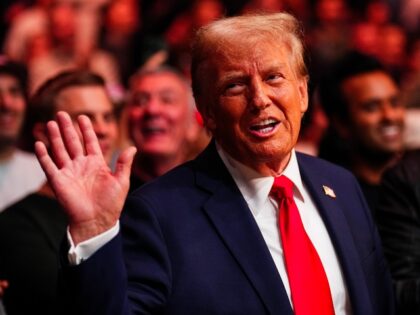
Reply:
x=83, y=99
x=369, y=85
x=248, y=56
x=164, y=81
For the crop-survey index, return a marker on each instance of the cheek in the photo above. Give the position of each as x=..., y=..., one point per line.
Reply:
x=401, y=113
x=232, y=111
x=178, y=118
x=20, y=105
x=113, y=131
x=134, y=113
x=134, y=116
x=367, y=121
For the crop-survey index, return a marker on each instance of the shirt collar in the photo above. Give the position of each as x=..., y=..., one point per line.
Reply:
x=256, y=187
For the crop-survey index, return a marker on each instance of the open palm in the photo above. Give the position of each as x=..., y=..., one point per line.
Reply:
x=90, y=193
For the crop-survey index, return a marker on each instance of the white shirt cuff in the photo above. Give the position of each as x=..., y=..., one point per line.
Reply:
x=85, y=249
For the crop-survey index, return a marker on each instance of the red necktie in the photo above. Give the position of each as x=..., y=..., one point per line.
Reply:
x=308, y=282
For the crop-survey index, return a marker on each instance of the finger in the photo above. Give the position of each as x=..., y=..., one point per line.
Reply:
x=123, y=165
x=47, y=164
x=89, y=136
x=69, y=134
x=58, y=149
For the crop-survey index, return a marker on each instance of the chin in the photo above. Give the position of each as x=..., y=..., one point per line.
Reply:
x=156, y=151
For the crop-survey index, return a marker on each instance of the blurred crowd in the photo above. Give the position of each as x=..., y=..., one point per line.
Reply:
x=116, y=38
x=132, y=57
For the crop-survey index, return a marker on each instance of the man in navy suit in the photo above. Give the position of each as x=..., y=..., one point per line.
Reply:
x=204, y=238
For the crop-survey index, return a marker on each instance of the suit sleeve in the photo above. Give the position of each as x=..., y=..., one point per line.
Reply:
x=399, y=226
x=129, y=275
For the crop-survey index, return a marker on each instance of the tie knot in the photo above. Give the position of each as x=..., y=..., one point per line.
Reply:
x=282, y=187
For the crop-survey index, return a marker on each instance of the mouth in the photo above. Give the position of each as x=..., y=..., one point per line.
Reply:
x=264, y=128
x=152, y=131
x=391, y=132
x=8, y=120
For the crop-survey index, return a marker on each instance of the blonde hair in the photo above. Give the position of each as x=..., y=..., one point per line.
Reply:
x=217, y=36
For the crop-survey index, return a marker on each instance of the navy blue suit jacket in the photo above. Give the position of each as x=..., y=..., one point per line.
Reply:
x=189, y=245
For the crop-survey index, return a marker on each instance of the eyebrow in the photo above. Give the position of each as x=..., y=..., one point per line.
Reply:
x=238, y=75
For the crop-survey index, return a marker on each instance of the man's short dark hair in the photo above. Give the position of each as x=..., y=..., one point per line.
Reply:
x=330, y=88
x=42, y=105
x=15, y=70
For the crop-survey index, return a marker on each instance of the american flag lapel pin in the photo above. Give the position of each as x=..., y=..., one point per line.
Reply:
x=328, y=191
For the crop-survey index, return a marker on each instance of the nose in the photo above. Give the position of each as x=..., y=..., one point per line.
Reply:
x=391, y=112
x=153, y=106
x=259, y=98
x=100, y=126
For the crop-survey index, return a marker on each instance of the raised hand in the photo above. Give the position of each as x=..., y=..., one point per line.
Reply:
x=84, y=185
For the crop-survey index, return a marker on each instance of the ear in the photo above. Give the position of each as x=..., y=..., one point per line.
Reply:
x=303, y=94
x=210, y=123
x=39, y=131
x=207, y=114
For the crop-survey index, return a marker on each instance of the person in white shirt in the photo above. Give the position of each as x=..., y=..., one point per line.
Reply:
x=20, y=173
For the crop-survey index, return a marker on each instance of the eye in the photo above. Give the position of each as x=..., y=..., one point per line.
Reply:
x=370, y=107
x=168, y=98
x=109, y=117
x=396, y=102
x=139, y=100
x=274, y=78
x=234, y=88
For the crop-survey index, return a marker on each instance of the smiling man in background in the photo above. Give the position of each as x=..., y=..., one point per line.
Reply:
x=161, y=122
x=366, y=116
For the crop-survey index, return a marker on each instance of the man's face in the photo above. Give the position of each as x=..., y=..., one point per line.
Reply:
x=256, y=102
x=12, y=108
x=159, y=114
x=93, y=102
x=376, y=115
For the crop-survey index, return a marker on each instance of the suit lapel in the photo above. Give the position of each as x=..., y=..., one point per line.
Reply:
x=341, y=237
x=230, y=215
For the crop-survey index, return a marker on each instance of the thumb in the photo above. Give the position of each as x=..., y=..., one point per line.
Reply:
x=124, y=162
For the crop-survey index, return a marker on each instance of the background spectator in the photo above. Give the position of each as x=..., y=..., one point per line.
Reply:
x=20, y=172
x=31, y=230
x=362, y=102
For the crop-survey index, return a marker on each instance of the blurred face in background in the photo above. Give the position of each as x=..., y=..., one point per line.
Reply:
x=376, y=115
x=62, y=17
x=160, y=114
x=92, y=101
x=123, y=16
x=12, y=109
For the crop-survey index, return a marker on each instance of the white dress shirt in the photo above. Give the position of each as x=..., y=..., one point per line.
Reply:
x=255, y=189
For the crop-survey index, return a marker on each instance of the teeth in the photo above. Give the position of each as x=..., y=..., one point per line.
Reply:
x=265, y=126
x=266, y=122
x=266, y=130
x=390, y=130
